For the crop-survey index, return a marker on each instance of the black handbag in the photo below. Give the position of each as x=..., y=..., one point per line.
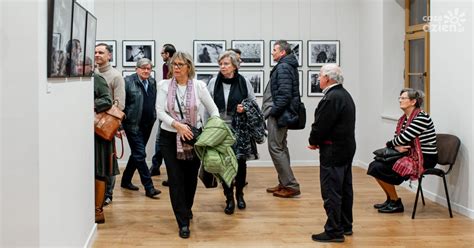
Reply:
x=196, y=131
x=388, y=154
x=208, y=179
x=300, y=123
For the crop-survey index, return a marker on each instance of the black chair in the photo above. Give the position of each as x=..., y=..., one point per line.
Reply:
x=448, y=147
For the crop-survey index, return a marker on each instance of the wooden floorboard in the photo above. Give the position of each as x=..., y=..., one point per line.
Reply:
x=133, y=220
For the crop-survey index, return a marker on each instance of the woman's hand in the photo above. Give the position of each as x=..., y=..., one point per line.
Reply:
x=183, y=130
x=240, y=108
x=402, y=148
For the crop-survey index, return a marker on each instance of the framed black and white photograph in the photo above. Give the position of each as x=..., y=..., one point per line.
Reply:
x=256, y=80
x=296, y=47
x=91, y=31
x=206, y=52
x=130, y=72
x=133, y=50
x=113, y=45
x=206, y=76
x=300, y=74
x=59, y=34
x=252, y=52
x=313, y=84
x=76, y=47
x=321, y=52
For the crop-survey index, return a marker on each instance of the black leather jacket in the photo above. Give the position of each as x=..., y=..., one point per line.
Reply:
x=134, y=101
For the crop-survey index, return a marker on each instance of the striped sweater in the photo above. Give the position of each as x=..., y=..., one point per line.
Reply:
x=421, y=126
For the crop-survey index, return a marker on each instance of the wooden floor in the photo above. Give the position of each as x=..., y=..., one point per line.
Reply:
x=133, y=220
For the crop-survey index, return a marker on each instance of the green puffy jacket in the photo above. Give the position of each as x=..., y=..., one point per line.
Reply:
x=214, y=148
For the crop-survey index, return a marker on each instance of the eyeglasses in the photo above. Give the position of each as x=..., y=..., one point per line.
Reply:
x=403, y=98
x=179, y=65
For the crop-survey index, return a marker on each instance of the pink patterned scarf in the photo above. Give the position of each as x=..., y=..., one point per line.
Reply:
x=412, y=164
x=184, y=151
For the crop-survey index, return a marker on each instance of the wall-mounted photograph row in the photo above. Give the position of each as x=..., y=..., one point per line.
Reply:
x=206, y=52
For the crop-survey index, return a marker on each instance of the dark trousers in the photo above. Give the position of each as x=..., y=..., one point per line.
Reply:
x=336, y=190
x=182, y=178
x=239, y=181
x=157, y=159
x=137, y=160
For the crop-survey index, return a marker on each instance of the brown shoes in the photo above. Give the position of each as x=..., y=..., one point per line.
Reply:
x=286, y=192
x=274, y=189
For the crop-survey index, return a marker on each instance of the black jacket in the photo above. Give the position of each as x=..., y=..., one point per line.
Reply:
x=333, y=127
x=284, y=81
x=134, y=101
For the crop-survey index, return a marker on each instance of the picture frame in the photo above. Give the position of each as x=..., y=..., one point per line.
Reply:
x=296, y=46
x=75, y=64
x=206, y=75
x=206, y=52
x=256, y=79
x=252, y=52
x=113, y=46
x=133, y=50
x=89, y=49
x=300, y=75
x=59, y=34
x=130, y=72
x=313, y=83
x=321, y=52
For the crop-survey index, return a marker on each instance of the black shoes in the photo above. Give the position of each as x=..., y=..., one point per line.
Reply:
x=184, y=232
x=152, y=193
x=382, y=205
x=240, y=201
x=230, y=205
x=165, y=183
x=348, y=232
x=129, y=186
x=393, y=207
x=324, y=237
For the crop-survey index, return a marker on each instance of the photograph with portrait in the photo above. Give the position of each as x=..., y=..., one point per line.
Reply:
x=206, y=52
x=132, y=51
x=321, y=52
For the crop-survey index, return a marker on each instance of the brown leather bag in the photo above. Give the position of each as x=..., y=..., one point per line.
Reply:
x=108, y=122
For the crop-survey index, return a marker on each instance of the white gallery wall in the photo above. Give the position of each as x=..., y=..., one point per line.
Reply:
x=47, y=168
x=182, y=21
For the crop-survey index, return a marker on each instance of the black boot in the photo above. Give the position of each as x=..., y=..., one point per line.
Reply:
x=393, y=207
x=382, y=205
x=239, y=195
x=230, y=202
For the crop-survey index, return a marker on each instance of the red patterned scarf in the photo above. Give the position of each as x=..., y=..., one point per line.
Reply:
x=412, y=164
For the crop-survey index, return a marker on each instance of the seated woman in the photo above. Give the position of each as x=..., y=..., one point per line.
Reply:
x=415, y=133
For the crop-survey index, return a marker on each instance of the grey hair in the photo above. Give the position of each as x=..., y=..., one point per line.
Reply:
x=413, y=94
x=284, y=46
x=334, y=72
x=144, y=61
x=232, y=56
x=186, y=58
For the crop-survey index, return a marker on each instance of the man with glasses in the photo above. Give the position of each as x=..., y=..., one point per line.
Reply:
x=140, y=90
x=167, y=52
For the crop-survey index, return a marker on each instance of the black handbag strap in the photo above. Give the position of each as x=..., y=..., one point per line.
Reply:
x=179, y=106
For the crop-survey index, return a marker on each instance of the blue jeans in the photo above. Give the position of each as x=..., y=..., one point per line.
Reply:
x=137, y=160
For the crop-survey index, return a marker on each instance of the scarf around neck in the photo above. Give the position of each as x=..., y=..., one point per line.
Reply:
x=238, y=92
x=415, y=156
x=184, y=151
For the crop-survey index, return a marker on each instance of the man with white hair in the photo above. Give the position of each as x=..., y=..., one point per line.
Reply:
x=333, y=133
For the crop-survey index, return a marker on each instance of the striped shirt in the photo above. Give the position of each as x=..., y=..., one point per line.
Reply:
x=421, y=126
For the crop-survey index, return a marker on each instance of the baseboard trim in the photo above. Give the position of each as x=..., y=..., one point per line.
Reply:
x=91, y=238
